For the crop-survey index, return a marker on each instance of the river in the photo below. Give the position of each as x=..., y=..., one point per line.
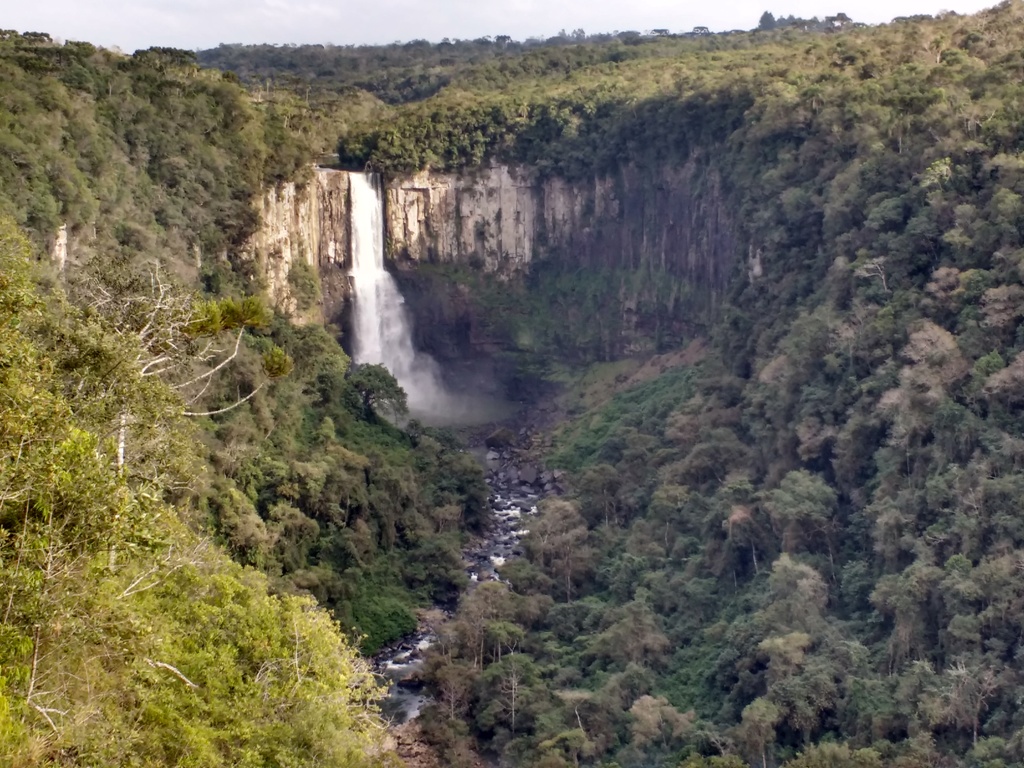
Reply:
x=515, y=492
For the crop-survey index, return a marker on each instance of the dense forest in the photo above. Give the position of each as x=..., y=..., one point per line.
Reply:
x=805, y=547
x=414, y=70
x=156, y=417
x=127, y=638
x=802, y=545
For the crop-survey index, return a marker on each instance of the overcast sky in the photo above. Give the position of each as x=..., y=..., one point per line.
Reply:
x=132, y=24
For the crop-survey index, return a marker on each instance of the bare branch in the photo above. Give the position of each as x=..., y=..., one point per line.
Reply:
x=225, y=361
x=173, y=670
x=45, y=712
x=229, y=408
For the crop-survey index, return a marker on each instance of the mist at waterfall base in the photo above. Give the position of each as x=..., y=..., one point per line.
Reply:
x=382, y=327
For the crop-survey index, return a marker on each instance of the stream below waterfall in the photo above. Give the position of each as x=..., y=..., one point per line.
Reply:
x=515, y=493
x=383, y=336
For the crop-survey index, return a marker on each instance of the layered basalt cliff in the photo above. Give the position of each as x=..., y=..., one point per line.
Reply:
x=626, y=263
x=501, y=259
x=308, y=225
x=502, y=220
x=488, y=219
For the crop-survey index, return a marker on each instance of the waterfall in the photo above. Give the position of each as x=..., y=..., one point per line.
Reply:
x=383, y=332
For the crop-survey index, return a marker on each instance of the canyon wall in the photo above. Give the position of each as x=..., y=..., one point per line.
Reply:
x=501, y=259
x=501, y=219
x=308, y=225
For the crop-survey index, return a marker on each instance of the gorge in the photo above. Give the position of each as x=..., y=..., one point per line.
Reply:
x=760, y=294
x=658, y=249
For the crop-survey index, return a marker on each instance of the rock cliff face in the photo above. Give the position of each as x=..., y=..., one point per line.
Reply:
x=628, y=263
x=59, y=252
x=502, y=220
x=500, y=260
x=487, y=219
x=308, y=225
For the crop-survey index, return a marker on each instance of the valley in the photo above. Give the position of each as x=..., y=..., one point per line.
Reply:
x=619, y=402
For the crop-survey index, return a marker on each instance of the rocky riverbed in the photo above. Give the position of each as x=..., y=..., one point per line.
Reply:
x=516, y=489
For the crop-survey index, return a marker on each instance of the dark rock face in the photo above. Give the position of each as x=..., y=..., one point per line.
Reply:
x=500, y=220
x=334, y=249
x=673, y=222
x=507, y=271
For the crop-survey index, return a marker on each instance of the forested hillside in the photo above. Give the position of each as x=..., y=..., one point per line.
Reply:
x=800, y=543
x=417, y=69
x=128, y=639
x=153, y=165
x=809, y=542
x=156, y=416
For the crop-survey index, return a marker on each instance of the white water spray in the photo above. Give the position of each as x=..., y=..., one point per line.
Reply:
x=383, y=333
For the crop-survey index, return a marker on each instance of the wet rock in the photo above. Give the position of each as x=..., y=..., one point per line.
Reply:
x=412, y=747
x=493, y=461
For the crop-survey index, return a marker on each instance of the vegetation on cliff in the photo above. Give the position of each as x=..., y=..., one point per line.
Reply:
x=151, y=403
x=804, y=548
x=126, y=637
x=153, y=164
x=147, y=408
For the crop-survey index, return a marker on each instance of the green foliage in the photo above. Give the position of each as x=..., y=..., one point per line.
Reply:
x=277, y=363
x=304, y=285
x=154, y=165
x=127, y=639
x=385, y=617
x=619, y=429
x=330, y=500
x=807, y=547
x=838, y=755
x=158, y=154
x=415, y=70
x=379, y=391
x=809, y=538
x=215, y=316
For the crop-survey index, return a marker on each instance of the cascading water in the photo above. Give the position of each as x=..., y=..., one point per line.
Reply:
x=383, y=333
